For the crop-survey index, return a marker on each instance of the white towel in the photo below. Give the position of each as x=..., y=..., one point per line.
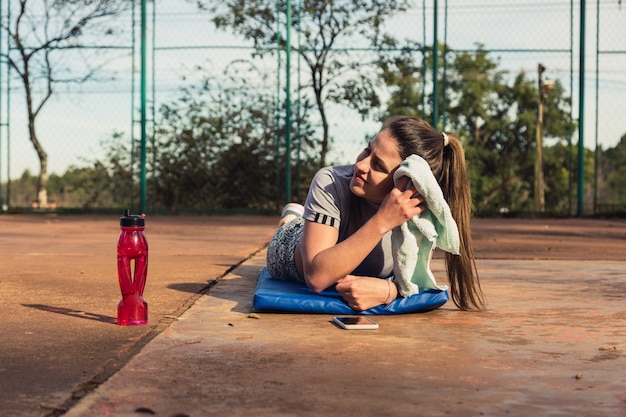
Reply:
x=413, y=241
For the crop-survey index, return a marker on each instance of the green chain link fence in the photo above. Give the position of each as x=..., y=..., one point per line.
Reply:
x=106, y=117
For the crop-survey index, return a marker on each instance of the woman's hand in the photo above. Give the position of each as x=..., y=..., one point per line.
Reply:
x=362, y=293
x=400, y=205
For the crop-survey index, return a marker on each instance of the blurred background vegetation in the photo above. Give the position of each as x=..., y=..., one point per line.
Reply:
x=245, y=132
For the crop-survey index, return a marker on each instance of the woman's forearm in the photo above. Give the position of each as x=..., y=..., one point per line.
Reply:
x=335, y=262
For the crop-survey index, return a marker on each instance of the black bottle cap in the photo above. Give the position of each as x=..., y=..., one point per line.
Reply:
x=132, y=220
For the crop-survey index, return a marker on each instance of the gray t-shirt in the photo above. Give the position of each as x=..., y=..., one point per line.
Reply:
x=331, y=202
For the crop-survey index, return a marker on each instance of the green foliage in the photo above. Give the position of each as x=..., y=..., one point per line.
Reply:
x=328, y=28
x=612, y=174
x=23, y=190
x=220, y=145
x=96, y=184
x=217, y=148
x=403, y=75
x=617, y=185
x=558, y=178
x=495, y=116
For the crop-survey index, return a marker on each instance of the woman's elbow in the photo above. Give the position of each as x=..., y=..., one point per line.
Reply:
x=314, y=283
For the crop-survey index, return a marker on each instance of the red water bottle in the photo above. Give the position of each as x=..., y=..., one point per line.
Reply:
x=132, y=269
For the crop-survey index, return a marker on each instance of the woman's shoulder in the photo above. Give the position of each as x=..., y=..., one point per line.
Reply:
x=329, y=193
x=332, y=181
x=334, y=173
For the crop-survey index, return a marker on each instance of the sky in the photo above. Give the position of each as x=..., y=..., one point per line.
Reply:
x=520, y=33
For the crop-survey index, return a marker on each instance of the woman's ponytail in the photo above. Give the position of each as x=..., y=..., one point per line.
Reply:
x=462, y=274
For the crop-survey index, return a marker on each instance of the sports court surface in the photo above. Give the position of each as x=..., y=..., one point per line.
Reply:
x=552, y=342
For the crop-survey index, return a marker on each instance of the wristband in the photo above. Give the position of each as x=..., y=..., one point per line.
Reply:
x=388, y=299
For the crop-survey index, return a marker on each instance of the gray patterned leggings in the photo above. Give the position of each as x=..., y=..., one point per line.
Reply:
x=281, y=261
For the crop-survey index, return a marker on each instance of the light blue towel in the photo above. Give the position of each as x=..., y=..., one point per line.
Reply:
x=413, y=241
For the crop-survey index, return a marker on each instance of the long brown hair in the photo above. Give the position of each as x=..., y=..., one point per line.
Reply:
x=447, y=162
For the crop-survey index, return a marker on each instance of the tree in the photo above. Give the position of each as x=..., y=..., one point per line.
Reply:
x=557, y=179
x=26, y=189
x=216, y=147
x=495, y=116
x=328, y=28
x=612, y=173
x=87, y=187
x=404, y=77
x=41, y=33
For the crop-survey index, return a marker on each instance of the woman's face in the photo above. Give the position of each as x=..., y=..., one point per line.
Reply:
x=374, y=168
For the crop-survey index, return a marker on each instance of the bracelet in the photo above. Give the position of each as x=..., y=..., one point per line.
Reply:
x=388, y=299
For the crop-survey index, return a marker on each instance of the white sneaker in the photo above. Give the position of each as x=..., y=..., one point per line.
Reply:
x=290, y=212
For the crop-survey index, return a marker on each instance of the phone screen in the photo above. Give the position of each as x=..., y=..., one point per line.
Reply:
x=354, y=320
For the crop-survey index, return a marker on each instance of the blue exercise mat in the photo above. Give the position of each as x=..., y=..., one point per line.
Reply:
x=277, y=295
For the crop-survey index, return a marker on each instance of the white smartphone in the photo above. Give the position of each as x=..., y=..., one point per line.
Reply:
x=355, y=323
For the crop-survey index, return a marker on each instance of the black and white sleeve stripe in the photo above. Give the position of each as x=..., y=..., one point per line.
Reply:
x=324, y=219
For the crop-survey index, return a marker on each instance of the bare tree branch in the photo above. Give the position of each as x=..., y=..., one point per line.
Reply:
x=41, y=29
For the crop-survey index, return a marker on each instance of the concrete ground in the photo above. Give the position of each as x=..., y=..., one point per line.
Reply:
x=551, y=342
x=59, y=294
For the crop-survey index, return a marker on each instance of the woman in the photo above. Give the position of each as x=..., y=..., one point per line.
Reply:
x=342, y=235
